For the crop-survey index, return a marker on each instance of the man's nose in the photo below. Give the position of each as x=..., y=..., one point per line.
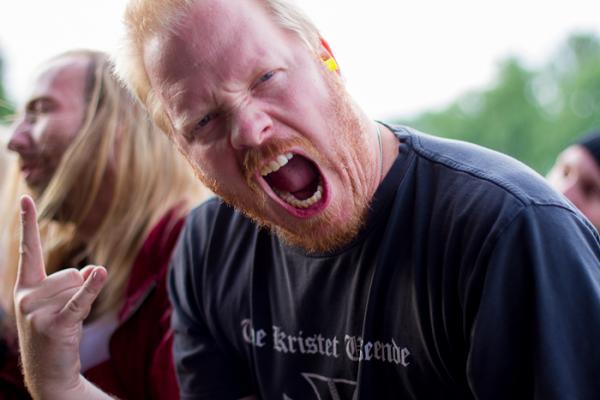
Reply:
x=20, y=139
x=251, y=126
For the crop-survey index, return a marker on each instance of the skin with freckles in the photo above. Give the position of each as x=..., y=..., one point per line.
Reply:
x=235, y=105
x=576, y=174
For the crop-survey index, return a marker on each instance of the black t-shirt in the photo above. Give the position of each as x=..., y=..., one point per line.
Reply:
x=470, y=279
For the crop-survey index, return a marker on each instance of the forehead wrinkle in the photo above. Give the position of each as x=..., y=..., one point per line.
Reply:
x=188, y=99
x=217, y=56
x=207, y=36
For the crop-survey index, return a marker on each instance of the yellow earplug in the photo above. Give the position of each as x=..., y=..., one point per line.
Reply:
x=331, y=64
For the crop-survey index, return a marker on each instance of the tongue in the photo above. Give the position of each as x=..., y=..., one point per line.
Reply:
x=299, y=177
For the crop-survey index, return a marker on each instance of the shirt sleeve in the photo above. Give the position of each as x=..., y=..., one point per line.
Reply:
x=535, y=334
x=205, y=367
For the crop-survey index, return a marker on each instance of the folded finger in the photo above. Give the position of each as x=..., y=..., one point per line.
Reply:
x=78, y=307
x=31, y=301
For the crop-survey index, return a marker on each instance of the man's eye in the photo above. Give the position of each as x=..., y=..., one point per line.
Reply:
x=206, y=120
x=43, y=106
x=266, y=76
x=38, y=107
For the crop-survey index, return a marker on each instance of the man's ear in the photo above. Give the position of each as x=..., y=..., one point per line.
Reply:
x=328, y=58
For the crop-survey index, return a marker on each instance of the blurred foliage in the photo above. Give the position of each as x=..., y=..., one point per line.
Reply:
x=529, y=114
x=6, y=107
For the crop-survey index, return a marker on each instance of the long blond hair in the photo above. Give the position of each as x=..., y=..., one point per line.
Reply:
x=117, y=143
x=11, y=187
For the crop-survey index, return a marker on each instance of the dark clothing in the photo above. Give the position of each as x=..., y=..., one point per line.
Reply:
x=141, y=362
x=12, y=386
x=470, y=279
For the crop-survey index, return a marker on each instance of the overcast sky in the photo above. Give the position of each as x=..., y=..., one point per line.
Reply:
x=398, y=57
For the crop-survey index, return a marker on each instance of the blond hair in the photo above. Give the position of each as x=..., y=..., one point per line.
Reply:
x=118, y=144
x=11, y=187
x=145, y=19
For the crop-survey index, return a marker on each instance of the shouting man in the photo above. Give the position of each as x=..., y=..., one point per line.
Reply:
x=359, y=260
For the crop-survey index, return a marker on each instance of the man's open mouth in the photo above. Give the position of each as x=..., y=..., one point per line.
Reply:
x=296, y=181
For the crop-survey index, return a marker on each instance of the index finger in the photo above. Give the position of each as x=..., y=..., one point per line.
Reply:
x=31, y=261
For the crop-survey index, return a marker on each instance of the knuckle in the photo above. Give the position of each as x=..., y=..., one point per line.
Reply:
x=78, y=309
x=90, y=291
x=74, y=307
x=26, y=248
x=73, y=275
x=24, y=303
x=36, y=321
x=23, y=250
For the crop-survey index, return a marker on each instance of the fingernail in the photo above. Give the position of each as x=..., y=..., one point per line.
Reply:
x=94, y=275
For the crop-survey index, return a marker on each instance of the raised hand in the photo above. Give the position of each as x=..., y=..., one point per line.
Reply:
x=50, y=311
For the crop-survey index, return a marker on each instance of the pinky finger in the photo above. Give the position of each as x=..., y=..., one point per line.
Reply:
x=78, y=307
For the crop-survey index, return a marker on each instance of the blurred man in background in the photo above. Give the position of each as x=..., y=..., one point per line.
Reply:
x=576, y=174
x=112, y=191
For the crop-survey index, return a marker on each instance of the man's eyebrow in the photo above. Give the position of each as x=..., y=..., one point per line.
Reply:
x=33, y=101
x=182, y=119
x=187, y=117
x=182, y=122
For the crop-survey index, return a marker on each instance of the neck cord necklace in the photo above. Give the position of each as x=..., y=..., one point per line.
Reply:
x=380, y=152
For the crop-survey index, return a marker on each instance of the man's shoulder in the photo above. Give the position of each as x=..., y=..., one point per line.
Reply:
x=466, y=197
x=214, y=210
x=482, y=167
x=216, y=222
x=213, y=232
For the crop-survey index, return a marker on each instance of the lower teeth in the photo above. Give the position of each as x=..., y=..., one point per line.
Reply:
x=292, y=200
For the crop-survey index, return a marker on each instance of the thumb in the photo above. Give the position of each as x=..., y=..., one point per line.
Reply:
x=31, y=262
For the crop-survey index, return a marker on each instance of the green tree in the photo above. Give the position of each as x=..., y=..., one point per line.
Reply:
x=530, y=114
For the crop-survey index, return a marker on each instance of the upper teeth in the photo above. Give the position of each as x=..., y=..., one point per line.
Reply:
x=275, y=164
